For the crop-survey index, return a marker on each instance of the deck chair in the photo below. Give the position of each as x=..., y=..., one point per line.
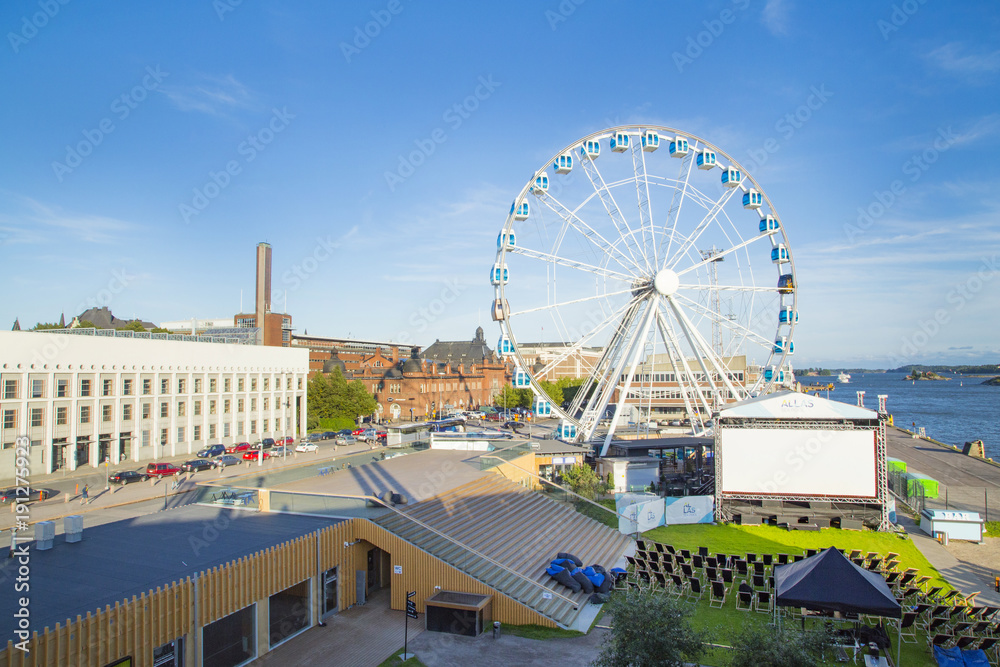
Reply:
x=727, y=577
x=948, y=596
x=703, y=552
x=686, y=554
x=660, y=579
x=751, y=558
x=722, y=560
x=741, y=568
x=679, y=585
x=970, y=599
x=764, y=600
x=891, y=578
x=988, y=612
x=744, y=598
x=855, y=553
x=640, y=545
x=768, y=559
x=670, y=549
x=758, y=567
x=932, y=594
x=695, y=590
x=659, y=547
x=908, y=627
x=782, y=559
x=687, y=570
x=905, y=579
x=811, y=552
x=941, y=639
x=989, y=644
x=759, y=583
x=718, y=594
x=667, y=567
x=799, y=557
x=697, y=561
x=712, y=562
x=711, y=573
x=921, y=581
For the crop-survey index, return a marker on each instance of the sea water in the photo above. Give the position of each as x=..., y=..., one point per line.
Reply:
x=952, y=411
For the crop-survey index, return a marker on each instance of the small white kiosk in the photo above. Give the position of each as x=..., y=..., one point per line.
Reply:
x=954, y=525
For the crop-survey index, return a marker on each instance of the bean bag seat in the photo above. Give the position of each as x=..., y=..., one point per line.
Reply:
x=589, y=571
x=566, y=579
x=582, y=579
x=606, y=585
x=599, y=569
x=599, y=598
x=398, y=499
x=576, y=561
x=565, y=562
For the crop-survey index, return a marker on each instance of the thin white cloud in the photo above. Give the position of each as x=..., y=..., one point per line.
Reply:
x=985, y=127
x=29, y=227
x=952, y=58
x=212, y=95
x=775, y=16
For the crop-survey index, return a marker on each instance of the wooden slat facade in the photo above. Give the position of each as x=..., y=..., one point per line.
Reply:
x=136, y=626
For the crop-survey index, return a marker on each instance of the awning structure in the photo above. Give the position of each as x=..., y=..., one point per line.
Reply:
x=830, y=582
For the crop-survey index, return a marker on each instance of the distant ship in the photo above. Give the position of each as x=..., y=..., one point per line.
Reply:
x=844, y=378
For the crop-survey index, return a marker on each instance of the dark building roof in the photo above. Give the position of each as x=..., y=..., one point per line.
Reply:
x=460, y=351
x=335, y=362
x=104, y=319
x=117, y=560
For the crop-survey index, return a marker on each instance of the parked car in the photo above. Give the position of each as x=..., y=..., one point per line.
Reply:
x=24, y=493
x=162, y=470
x=267, y=443
x=211, y=451
x=128, y=476
x=358, y=431
x=345, y=431
x=226, y=460
x=346, y=440
x=254, y=454
x=287, y=440
x=280, y=450
x=307, y=447
x=329, y=435
x=238, y=447
x=368, y=435
x=197, y=465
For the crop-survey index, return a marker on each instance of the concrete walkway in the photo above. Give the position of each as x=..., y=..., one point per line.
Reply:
x=436, y=649
x=959, y=574
x=362, y=636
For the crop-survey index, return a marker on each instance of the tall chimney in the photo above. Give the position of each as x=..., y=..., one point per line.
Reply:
x=263, y=301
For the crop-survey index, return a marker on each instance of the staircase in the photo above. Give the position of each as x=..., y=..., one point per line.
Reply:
x=520, y=529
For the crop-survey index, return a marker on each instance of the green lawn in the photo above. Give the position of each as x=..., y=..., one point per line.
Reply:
x=538, y=632
x=395, y=661
x=732, y=539
x=993, y=528
x=607, y=518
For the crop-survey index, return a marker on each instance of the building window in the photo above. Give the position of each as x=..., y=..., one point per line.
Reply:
x=145, y=438
x=228, y=384
x=197, y=388
x=253, y=404
x=288, y=384
x=10, y=389
x=10, y=419
x=277, y=424
x=164, y=386
x=197, y=433
x=265, y=402
x=197, y=409
x=163, y=436
x=126, y=387
x=239, y=428
x=267, y=383
x=211, y=407
x=106, y=388
x=300, y=384
x=61, y=416
x=181, y=385
x=84, y=414
x=253, y=384
x=239, y=406
x=181, y=409
x=127, y=412
x=213, y=385
x=105, y=413
x=147, y=387
x=211, y=431
x=84, y=387
x=164, y=409
x=37, y=388
x=146, y=410
x=62, y=388
x=239, y=384
x=253, y=426
x=225, y=430
x=226, y=405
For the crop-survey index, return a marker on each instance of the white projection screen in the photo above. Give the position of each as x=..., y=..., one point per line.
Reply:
x=798, y=462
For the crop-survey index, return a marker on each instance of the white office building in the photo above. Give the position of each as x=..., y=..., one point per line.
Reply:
x=91, y=396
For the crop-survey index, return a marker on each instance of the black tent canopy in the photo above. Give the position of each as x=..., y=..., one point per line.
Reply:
x=830, y=582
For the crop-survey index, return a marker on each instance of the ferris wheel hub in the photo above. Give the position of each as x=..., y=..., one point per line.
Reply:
x=666, y=282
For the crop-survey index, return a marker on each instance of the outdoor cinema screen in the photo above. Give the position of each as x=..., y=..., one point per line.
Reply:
x=798, y=462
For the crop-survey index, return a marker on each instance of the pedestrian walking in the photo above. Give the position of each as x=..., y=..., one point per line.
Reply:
x=83, y=496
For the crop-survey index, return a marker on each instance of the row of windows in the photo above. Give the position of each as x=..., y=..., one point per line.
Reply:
x=37, y=414
x=699, y=376
x=36, y=387
x=450, y=386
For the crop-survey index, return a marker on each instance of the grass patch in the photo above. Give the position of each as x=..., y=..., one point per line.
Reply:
x=539, y=632
x=607, y=518
x=395, y=660
x=993, y=529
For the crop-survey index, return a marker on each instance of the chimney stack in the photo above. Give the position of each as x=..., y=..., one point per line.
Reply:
x=263, y=300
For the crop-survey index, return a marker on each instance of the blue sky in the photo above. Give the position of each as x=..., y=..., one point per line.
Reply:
x=145, y=151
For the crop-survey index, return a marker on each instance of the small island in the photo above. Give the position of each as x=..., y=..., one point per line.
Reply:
x=992, y=382
x=926, y=375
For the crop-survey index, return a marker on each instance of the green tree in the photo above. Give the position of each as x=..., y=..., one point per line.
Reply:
x=332, y=396
x=584, y=481
x=649, y=629
x=158, y=330
x=42, y=326
x=764, y=645
x=134, y=325
x=553, y=391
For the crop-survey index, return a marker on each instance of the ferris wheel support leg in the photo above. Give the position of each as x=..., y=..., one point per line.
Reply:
x=674, y=345
x=595, y=383
x=705, y=347
x=637, y=344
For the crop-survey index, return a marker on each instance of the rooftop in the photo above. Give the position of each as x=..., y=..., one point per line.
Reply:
x=117, y=560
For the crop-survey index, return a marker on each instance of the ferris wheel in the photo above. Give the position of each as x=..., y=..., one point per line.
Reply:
x=658, y=278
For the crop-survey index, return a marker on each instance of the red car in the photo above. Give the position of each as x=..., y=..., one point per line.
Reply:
x=252, y=454
x=358, y=431
x=162, y=470
x=287, y=440
x=239, y=447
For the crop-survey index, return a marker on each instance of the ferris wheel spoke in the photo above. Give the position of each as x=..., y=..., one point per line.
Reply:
x=722, y=253
x=697, y=341
x=706, y=221
x=700, y=351
x=733, y=326
x=611, y=206
x=729, y=288
x=568, y=303
x=642, y=196
x=677, y=201
x=572, y=264
x=682, y=371
x=572, y=220
x=582, y=342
